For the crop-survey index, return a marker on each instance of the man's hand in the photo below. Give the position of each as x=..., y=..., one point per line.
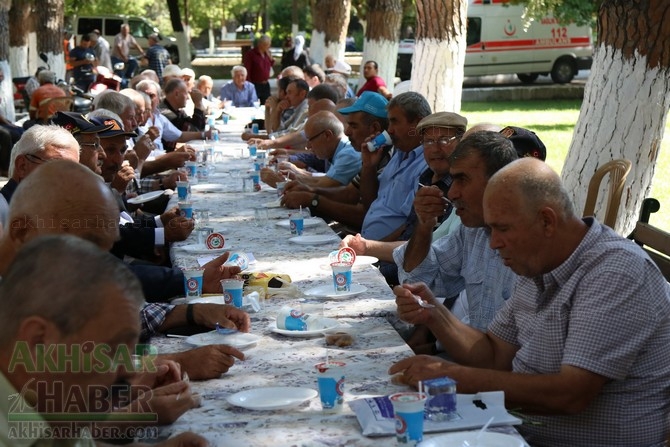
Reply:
x=174, y=159
x=419, y=367
x=409, y=309
x=429, y=205
x=270, y=177
x=167, y=402
x=296, y=199
x=207, y=362
x=370, y=159
x=122, y=177
x=227, y=316
x=358, y=243
x=298, y=186
x=178, y=229
x=170, y=180
x=132, y=158
x=153, y=132
x=156, y=372
x=215, y=271
x=170, y=214
x=196, y=96
x=143, y=146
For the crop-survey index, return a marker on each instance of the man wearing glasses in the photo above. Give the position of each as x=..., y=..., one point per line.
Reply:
x=85, y=132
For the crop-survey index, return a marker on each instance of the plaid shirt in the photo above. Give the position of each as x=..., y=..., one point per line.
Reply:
x=152, y=315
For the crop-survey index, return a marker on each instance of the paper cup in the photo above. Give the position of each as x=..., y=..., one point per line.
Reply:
x=225, y=119
x=280, y=188
x=330, y=378
x=182, y=189
x=252, y=150
x=186, y=209
x=193, y=282
x=408, y=409
x=341, y=276
x=192, y=169
x=296, y=223
x=232, y=292
x=203, y=233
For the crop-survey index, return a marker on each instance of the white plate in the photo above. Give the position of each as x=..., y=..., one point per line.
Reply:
x=146, y=197
x=207, y=187
x=328, y=292
x=315, y=239
x=306, y=223
x=273, y=204
x=202, y=249
x=488, y=439
x=272, y=398
x=364, y=260
x=238, y=340
x=328, y=325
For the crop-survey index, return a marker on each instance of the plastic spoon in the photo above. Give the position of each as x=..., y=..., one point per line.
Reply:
x=479, y=434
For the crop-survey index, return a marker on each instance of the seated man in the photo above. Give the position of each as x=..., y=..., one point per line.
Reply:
x=48, y=309
x=583, y=344
x=172, y=107
x=83, y=198
x=326, y=139
x=39, y=108
x=205, y=84
x=241, y=92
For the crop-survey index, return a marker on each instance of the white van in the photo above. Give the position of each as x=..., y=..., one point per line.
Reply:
x=497, y=43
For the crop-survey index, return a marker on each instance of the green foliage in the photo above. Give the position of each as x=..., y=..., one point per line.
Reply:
x=582, y=12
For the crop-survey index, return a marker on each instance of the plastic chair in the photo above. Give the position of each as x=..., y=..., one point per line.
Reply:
x=618, y=171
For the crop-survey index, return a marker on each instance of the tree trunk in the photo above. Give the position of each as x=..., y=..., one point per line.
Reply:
x=6, y=86
x=19, y=15
x=331, y=20
x=49, y=17
x=625, y=104
x=439, y=52
x=179, y=34
x=294, y=18
x=381, y=38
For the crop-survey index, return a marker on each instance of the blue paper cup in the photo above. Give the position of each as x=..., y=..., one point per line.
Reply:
x=193, y=282
x=186, y=209
x=408, y=409
x=182, y=189
x=252, y=150
x=296, y=224
x=330, y=378
x=225, y=119
x=341, y=276
x=232, y=292
x=192, y=169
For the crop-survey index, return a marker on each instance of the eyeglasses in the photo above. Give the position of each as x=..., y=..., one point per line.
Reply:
x=34, y=159
x=95, y=146
x=442, y=141
x=309, y=140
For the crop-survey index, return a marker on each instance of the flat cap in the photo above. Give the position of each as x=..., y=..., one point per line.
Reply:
x=444, y=120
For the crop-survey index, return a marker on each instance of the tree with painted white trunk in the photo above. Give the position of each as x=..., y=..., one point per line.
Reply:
x=49, y=21
x=6, y=90
x=625, y=103
x=330, y=22
x=19, y=38
x=382, y=33
x=439, y=52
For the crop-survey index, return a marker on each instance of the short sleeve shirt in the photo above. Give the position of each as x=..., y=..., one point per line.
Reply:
x=345, y=164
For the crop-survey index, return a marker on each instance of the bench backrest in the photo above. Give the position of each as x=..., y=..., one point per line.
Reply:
x=654, y=241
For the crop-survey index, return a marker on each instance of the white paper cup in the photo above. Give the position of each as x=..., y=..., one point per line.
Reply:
x=408, y=410
x=341, y=276
x=330, y=378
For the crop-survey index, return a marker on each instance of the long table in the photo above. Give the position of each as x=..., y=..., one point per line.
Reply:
x=278, y=360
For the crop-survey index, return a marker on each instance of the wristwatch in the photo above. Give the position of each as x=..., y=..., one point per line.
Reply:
x=314, y=203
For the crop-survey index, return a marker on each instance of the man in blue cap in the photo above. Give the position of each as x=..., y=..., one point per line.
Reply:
x=366, y=118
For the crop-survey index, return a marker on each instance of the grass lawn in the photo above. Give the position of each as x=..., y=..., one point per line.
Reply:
x=553, y=122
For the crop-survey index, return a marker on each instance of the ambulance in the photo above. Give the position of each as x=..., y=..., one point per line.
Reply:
x=499, y=43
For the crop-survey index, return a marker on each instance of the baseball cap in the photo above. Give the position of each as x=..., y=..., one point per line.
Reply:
x=444, y=120
x=341, y=67
x=76, y=123
x=526, y=143
x=172, y=70
x=187, y=72
x=114, y=129
x=368, y=102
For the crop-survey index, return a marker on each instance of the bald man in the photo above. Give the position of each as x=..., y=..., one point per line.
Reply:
x=83, y=206
x=584, y=342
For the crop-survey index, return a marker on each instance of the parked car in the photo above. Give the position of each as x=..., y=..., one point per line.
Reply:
x=498, y=43
x=140, y=29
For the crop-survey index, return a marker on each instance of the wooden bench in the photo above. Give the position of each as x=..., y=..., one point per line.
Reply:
x=654, y=241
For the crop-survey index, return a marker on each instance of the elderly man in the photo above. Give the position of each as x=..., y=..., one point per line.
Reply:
x=366, y=118
x=91, y=153
x=81, y=197
x=38, y=144
x=49, y=310
x=121, y=52
x=39, y=108
x=176, y=97
x=211, y=103
x=325, y=138
x=258, y=62
x=583, y=344
x=241, y=92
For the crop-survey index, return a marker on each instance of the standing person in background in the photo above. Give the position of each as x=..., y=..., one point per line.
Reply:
x=121, y=51
x=373, y=83
x=82, y=59
x=258, y=62
x=296, y=55
x=157, y=56
x=101, y=48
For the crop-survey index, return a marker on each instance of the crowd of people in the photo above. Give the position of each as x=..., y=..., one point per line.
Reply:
x=569, y=319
